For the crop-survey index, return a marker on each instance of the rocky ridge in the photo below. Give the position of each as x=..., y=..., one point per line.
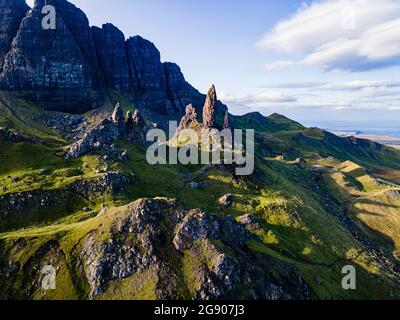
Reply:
x=75, y=63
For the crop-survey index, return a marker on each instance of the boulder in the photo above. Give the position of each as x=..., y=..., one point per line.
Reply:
x=61, y=73
x=226, y=121
x=226, y=200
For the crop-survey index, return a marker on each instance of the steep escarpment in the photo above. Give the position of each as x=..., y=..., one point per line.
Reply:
x=71, y=67
x=56, y=68
x=110, y=48
x=11, y=14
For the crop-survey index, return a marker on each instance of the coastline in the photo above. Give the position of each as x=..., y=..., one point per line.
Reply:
x=386, y=139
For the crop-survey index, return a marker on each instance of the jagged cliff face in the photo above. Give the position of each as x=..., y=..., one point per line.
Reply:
x=110, y=48
x=57, y=68
x=11, y=15
x=68, y=69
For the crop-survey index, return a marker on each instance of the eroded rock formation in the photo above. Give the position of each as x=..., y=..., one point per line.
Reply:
x=189, y=120
x=103, y=135
x=218, y=271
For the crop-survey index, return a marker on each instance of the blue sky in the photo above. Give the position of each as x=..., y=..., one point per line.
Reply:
x=330, y=63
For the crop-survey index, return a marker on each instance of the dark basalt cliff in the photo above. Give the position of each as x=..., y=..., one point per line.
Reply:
x=69, y=68
x=11, y=15
x=111, y=53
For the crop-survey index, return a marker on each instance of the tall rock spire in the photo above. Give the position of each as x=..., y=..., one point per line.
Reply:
x=118, y=115
x=210, y=108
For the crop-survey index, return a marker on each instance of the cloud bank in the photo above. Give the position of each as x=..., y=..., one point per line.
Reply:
x=354, y=35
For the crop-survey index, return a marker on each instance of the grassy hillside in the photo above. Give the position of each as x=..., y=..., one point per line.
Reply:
x=339, y=205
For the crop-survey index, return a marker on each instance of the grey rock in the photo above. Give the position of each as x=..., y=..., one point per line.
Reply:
x=113, y=61
x=102, y=135
x=194, y=185
x=210, y=108
x=110, y=183
x=11, y=14
x=179, y=90
x=226, y=200
x=118, y=118
x=145, y=65
x=189, y=120
x=250, y=222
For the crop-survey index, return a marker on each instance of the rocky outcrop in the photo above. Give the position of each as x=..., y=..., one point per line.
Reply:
x=103, y=135
x=226, y=201
x=249, y=221
x=179, y=90
x=11, y=14
x=138, y=119
x=210, y=108
x=145, y=64
x=393, y=194
x=118, y=119
x=61, y=72
x=70, y=126
x=25, y=204
x=111, y=52
x=110, y=183
x=227, y=124
x=30, y=207
x=148, y=76
x=218, y=263
x=189, y=120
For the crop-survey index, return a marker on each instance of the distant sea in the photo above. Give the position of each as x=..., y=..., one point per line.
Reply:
x=391, y=132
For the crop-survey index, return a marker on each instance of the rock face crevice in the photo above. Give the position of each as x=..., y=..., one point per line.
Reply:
x=113, y=61
x=68, y=69
x=210, y=108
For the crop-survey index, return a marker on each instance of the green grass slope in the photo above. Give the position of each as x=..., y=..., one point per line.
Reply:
x=335, y=208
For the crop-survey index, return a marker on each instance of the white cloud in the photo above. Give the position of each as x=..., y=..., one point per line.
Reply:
x=353, y=35
x=30, y=3
x=278, y=65
x=355, y=85
x=358, y=85
x=265, y=97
